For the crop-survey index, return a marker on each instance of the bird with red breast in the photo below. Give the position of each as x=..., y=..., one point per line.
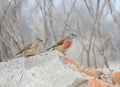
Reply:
x=64, y=43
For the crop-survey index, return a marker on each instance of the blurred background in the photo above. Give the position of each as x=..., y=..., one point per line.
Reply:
x=95, y=22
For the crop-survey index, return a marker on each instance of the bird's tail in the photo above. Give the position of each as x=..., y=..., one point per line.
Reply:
x=51, y=47
x=18, y=54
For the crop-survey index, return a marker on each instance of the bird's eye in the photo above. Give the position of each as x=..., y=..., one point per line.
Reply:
x=41, y=40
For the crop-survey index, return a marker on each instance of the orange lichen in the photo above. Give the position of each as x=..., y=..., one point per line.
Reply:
x=116, y=77
x=68, y=60
x=91, y=71
x=93, y=82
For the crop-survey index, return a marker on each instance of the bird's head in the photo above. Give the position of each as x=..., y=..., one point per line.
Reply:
x=70, y=36
x=38, y=40
x=67, y=44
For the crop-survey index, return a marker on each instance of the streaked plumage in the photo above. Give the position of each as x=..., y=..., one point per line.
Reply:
x=30, y=49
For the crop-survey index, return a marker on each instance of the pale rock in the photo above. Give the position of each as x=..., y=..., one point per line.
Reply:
x=44, y=70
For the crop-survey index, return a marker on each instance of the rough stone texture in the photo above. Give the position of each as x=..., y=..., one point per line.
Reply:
x=44, y=70
x=106, y=76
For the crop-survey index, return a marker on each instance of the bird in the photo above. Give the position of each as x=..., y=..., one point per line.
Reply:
x=62, y=40
x=30, y=49
x=62, y=48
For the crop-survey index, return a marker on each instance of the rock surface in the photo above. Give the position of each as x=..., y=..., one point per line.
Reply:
x=44, y=70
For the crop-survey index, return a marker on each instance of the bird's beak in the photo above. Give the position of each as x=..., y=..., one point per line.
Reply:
x=41, y=40
x=74, y=35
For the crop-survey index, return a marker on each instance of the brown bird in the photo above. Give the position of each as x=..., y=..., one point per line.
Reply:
x=30, y=49
x=62, y=40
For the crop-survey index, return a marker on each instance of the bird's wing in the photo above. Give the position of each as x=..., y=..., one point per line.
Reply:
x=51, y=47
x=33, y=45
x=26, y=47
x=59, y=48
x=29, y=46
x=60, y=42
